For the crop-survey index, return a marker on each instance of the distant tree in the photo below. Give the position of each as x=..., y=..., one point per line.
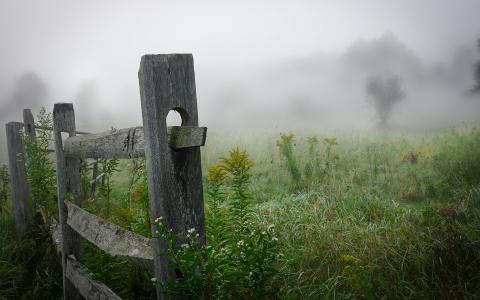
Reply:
x=384, y=91
x=476, y=72
x=29, y=90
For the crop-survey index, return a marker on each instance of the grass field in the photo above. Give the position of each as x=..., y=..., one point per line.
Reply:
x=357, y=215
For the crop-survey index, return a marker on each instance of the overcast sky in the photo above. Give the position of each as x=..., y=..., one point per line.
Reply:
x=70, y=44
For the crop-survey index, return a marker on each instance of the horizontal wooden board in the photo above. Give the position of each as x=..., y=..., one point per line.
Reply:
x=109, y=237
x=130, y=142
x=83, y=281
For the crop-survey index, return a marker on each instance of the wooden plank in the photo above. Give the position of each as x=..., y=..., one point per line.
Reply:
x=167, y=82
x=29, y=122
x=130, y=142
x=83, y=281
x=68, y=186
x=109, y=237
x=18, y=176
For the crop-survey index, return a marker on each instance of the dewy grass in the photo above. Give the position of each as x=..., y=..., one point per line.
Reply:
x=393, y=216
x=399, y=217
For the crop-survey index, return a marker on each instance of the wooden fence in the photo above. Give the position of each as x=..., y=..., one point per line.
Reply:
x=167, y=82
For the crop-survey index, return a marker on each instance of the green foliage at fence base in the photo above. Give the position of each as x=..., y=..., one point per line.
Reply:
x=28, y=263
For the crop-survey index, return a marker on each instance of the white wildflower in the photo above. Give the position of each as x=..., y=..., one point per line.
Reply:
x=154, y=279
x=240, y=243
x=191, y=230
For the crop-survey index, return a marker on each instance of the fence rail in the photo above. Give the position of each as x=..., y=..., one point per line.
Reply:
x=83, y=281
x=109, y=237
x=129, y=142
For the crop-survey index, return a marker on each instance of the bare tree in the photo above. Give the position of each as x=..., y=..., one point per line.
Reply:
x=384, y=91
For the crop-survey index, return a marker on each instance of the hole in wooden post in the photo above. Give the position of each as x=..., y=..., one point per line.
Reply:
x=65, y=135
x=174, y=118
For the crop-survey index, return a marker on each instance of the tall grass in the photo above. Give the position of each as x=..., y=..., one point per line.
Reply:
x=394, y=217
x=358, y=215
x=28, y=263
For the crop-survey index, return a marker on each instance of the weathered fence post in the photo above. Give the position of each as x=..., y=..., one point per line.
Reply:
x=4, y=181
x=167, y=82
x=68, y=187
x=18, y=176
x=29, y=123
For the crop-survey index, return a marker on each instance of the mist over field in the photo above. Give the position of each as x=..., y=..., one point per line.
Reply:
x=259, y=66
x=341, y=160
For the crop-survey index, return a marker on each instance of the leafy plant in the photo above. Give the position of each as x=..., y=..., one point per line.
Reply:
x=136, y=172
x=285, y=144
x=109, y=166
x=40, y=170
x=311, y=166
x=239, y=261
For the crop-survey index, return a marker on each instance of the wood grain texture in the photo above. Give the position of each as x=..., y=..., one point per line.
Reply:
x=111, y=238
x=130, y=142
x=68, y=186
x=167, y=82
x=29, y=122
x=83, y=281
x=18, y=176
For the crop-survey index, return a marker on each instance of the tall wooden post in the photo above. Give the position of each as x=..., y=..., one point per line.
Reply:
x=68, y=188
x=174, y=177
x=18, y=176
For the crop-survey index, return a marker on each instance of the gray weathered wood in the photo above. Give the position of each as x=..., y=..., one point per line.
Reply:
x=29, y=123
x=109, y=237
x=18, y=176
x=167, y=82
x=68, y=186
x=129, y=142
x=88, y=287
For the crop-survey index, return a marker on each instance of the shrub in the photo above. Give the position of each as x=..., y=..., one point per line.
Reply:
x=239, y=260
x=285, y=144
x=40, y=171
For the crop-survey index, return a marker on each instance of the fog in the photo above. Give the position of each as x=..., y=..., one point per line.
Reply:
x=274, y=64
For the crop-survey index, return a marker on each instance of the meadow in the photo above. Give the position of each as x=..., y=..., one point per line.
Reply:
x=376, y=214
